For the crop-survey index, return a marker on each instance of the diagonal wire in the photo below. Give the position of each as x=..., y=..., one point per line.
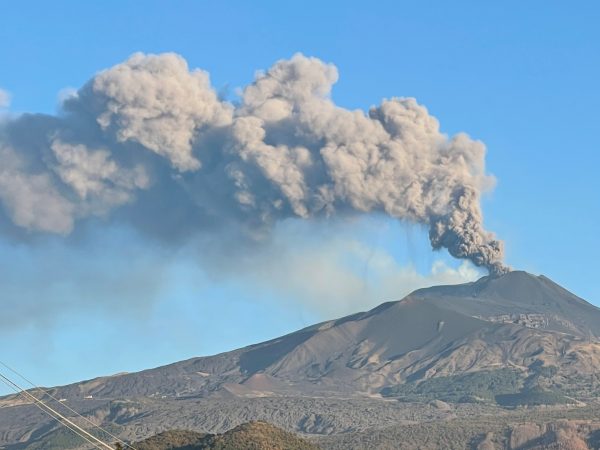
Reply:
x=45, y=411
x=49, y=410
x=65, y=405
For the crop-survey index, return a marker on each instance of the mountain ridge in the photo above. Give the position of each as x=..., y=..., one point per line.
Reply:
x=425, y=321
x=503, y=341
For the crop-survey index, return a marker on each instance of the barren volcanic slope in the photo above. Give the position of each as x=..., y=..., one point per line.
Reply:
x=499, y=342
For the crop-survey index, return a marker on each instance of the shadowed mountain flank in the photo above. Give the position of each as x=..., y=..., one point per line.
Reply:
x=264, y=355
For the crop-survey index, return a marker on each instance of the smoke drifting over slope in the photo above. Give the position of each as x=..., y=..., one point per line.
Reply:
x=150, y=142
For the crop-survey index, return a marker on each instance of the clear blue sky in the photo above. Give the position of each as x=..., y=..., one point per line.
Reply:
x=523, y=77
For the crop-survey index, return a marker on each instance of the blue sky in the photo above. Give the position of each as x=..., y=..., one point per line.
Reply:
x=520, y=76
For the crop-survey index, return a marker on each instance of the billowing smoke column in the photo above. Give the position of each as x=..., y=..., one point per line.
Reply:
x=151, y=142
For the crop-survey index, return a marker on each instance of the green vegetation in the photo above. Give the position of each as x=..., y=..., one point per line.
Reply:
x=58, y=440
x=469, y=432
x=62, y=438
x=248, y=436
x=174, y=439
x=545, y=371
x=474, y=387
x=533, y=397
x=506, y=387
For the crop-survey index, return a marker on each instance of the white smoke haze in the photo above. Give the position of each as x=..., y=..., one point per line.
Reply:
x=324, y=270
x=4, y=99
x=337, y=275
x=148, y=143
x=111, y=274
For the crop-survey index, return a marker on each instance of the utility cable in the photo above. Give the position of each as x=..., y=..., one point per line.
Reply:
x=50, y=411
x=45, y=411
x=66, y=406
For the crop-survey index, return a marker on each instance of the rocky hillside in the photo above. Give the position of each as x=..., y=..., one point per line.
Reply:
x=172, y=440
x=248, y=436
x=499, y=343
x=479, y=433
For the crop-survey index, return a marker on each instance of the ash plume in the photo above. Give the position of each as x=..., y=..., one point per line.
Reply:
x=150, y=142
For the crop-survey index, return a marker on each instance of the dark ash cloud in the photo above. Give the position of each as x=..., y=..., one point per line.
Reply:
x=150, y=143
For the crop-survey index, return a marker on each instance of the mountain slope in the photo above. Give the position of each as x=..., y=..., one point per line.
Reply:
x=550, y=306
x=509, y=340
x=512, y=321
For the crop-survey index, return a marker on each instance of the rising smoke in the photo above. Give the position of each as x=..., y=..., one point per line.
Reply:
x=150, y=142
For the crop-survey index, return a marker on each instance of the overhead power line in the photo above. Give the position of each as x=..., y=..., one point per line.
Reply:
x=45, y=392
x=57, y=419
x=90, y=438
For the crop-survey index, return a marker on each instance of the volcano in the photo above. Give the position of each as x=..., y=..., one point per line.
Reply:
x=505, y=341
